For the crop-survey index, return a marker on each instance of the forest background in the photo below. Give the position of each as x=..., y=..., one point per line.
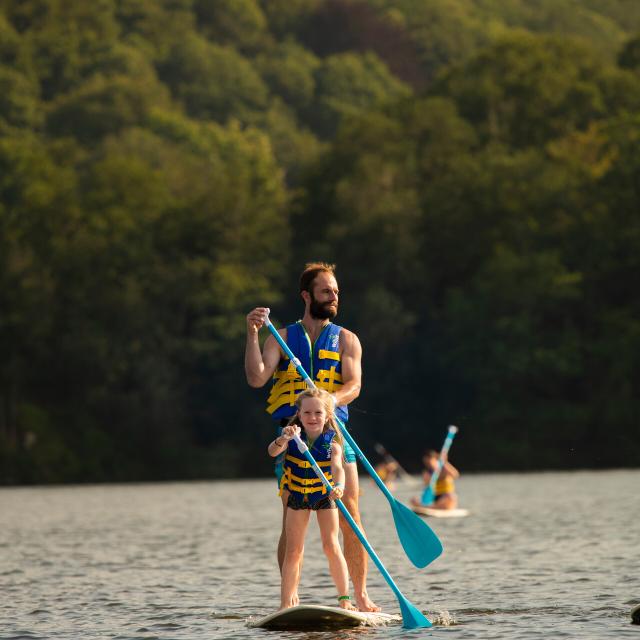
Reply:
x=471, y=166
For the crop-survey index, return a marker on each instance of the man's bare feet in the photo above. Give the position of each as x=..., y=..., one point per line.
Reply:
x=365, y=604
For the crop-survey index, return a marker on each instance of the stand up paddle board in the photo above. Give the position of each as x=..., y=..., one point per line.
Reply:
x=314, y=616
x=440, y=513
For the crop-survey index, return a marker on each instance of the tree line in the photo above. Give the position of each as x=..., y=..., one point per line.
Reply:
x=471, y=168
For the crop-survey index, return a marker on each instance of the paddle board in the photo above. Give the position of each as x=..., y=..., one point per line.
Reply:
x=314, y=616
x=440, y=513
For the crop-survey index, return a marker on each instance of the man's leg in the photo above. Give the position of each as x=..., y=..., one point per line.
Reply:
x=355, y=554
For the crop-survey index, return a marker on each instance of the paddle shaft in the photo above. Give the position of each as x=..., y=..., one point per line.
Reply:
x=429, y=491
x=352, y=523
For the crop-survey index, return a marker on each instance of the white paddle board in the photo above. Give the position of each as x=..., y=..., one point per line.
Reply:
x=315, y=616
x=440, y=513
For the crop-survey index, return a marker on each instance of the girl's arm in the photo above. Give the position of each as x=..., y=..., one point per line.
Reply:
x=337, y=471
x=277, y=446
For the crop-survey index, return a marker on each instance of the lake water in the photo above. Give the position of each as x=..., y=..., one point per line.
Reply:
x=549, y=555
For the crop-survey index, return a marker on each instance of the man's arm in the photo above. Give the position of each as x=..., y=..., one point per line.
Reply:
x=351, y=361
x=259, y=367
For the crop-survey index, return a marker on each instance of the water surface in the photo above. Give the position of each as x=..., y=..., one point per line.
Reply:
x=551, y=555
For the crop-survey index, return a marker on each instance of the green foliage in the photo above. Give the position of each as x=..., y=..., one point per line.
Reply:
x=213, y=82
x=348, y=83
x=629, y=56
x=471, y=165
x=65, y=41
x=239, y=23
x=19, y=100
x=526, y=90
x=289, y=70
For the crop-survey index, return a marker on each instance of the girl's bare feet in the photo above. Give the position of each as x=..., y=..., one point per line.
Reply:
x=346, y=604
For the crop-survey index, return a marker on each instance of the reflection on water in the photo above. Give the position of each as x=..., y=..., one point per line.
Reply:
x=539, y=552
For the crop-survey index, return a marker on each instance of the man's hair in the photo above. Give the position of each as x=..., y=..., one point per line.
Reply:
x=311, y=270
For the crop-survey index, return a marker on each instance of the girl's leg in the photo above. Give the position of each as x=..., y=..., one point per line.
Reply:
x=329, y=527
x=296, y=524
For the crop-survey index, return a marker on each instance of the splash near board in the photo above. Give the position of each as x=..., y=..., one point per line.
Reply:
x=313, y=616
x=440, y=513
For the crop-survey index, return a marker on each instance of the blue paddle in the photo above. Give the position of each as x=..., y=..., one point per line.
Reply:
x=412, y=618
x=418, y=540
x=428, y=495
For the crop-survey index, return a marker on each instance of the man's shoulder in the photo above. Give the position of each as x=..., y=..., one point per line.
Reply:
x=348, y=338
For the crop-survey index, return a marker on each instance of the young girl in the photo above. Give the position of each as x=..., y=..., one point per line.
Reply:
x=308, y=493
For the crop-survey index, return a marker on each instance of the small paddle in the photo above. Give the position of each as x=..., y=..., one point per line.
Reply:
x=418, y=540
x=412, y=618
x=428, y=495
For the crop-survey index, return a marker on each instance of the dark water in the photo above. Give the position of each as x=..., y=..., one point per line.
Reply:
x=541, y=556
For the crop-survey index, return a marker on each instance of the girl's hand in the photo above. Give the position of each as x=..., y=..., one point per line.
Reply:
x=289, y=431
x=337, y=492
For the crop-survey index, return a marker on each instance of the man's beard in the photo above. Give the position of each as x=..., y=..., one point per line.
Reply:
x=322, y=310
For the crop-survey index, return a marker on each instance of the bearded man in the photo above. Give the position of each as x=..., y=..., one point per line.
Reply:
x=332, y=356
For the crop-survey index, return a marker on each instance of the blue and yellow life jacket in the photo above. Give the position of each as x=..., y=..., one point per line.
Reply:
x=299, y=476
x=320, y=360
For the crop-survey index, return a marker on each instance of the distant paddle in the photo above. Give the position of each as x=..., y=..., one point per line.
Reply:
x=412, y=618
x=428, y=495
x=418, y=540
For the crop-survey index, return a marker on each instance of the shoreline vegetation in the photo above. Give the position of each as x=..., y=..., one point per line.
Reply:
x=471, y=167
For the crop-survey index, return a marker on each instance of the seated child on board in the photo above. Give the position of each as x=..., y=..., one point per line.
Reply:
x=445, y=489
x=307, y=492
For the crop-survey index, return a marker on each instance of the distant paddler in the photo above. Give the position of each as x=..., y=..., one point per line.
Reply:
x=439, y=476
x=445, y=496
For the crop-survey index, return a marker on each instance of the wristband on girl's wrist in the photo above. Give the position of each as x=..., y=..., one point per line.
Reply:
x=338, y=485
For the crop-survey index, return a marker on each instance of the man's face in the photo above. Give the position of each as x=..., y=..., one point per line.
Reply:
x=324, y=297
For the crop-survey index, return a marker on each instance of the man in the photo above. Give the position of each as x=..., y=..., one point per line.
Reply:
x=331, y=355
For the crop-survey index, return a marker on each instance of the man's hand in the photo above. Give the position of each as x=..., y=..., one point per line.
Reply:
x=256, y=319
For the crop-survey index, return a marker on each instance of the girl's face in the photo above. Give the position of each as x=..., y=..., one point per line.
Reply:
x=312, y=414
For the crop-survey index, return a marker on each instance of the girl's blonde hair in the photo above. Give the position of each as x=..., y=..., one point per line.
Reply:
x=328, y=405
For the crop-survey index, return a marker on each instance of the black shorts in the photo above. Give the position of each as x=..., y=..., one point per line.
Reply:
x=297, y=502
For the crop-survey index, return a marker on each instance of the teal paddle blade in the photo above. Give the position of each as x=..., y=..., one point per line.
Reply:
x=411, y=617
x=419, y=541
x=427, y=496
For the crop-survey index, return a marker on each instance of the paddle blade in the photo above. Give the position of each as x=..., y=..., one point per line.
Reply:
x=411, y=617
x=418, y=539
x=427, y=497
